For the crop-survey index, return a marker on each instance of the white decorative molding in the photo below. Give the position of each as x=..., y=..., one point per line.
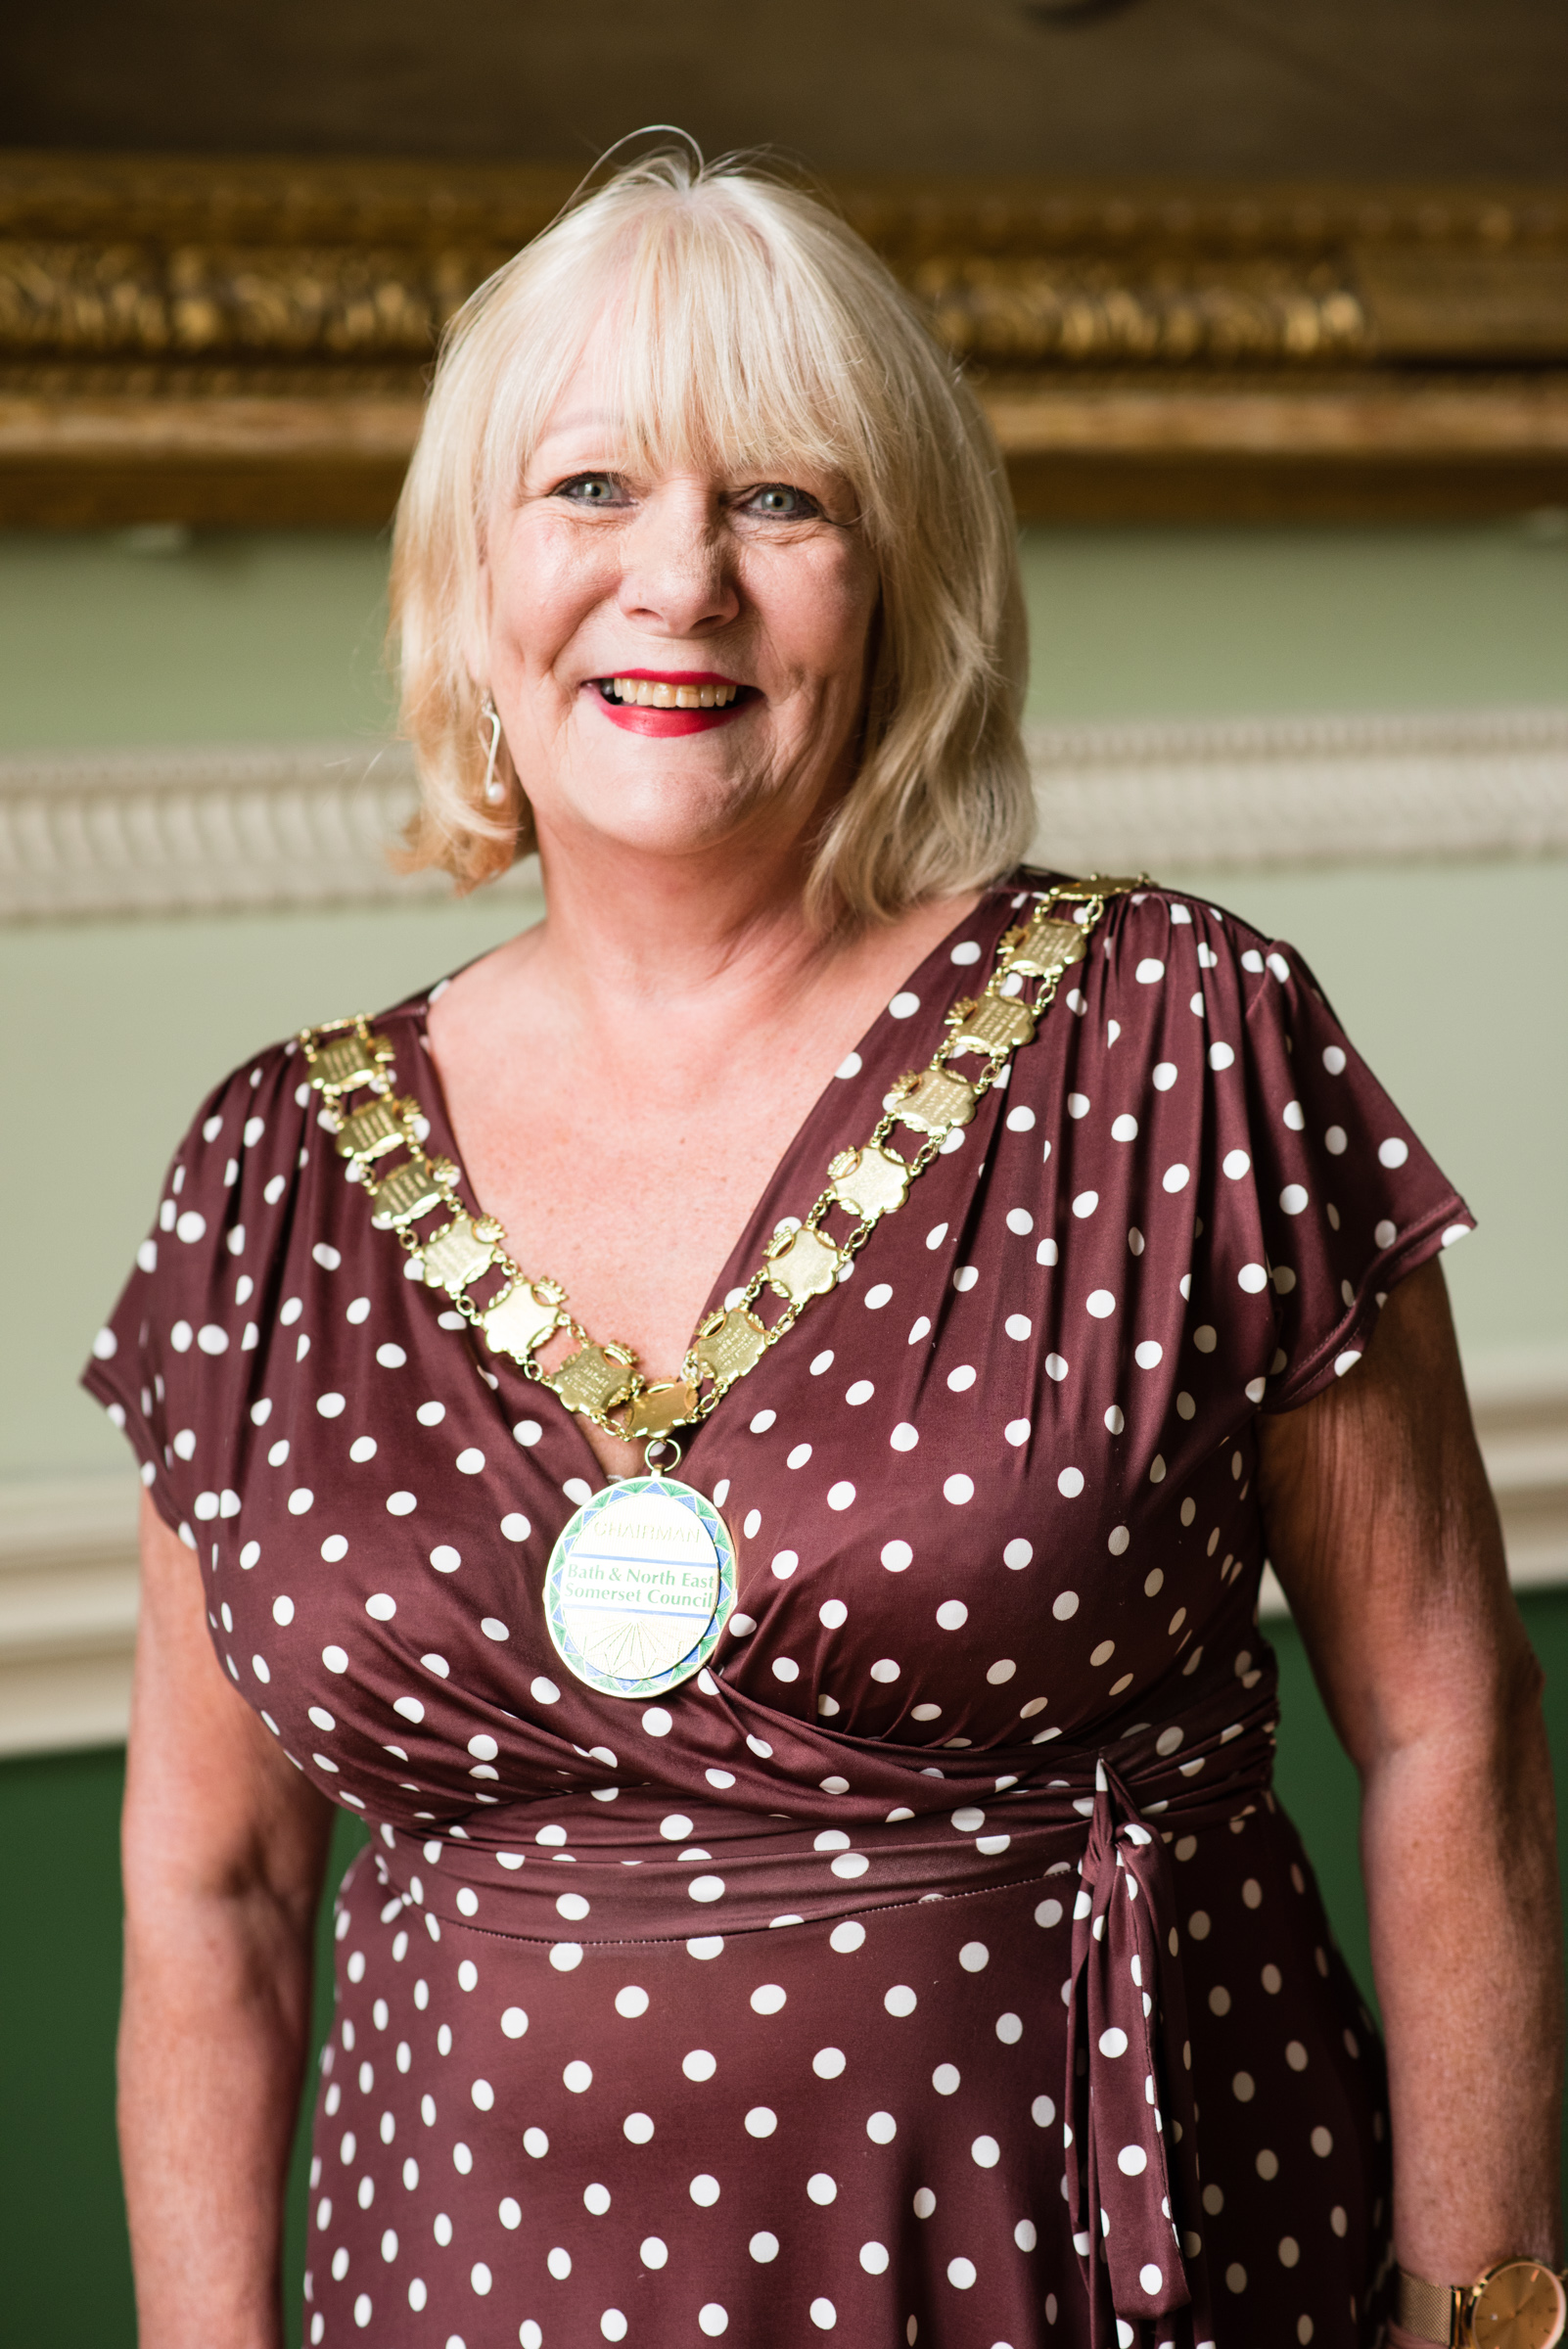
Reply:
x=68, y=1610
x=1318, y=791
x=67, y=1558
x=149, y=832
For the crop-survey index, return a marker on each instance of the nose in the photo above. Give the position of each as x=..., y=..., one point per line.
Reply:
x=678, y=573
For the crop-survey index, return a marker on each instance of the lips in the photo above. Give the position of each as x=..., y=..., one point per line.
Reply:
x=669, y=702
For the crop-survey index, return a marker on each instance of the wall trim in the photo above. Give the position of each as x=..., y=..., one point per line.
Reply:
x=67, y=1558
x=113, y=833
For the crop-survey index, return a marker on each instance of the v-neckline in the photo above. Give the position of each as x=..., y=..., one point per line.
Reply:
x=987, y=919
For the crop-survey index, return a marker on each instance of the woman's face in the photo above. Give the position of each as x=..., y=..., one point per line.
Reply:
x=746, y=599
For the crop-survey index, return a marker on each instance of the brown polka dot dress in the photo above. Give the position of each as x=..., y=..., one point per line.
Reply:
x=937, y=1968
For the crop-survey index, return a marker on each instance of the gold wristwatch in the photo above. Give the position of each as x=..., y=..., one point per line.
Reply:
x=1515, y=2304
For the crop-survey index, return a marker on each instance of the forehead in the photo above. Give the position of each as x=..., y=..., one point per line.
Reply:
x=644, y=382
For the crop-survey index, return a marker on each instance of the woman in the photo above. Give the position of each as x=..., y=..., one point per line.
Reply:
x=897, y=1940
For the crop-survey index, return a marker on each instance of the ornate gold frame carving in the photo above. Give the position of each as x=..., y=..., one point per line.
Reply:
x=247, y=341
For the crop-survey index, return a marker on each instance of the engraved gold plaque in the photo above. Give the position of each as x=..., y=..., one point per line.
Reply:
x=936, y=1101
x=728, y=1345
x=373, y=1130
x=1048, y=948
x=519, y=1321
x=872, y=1181
x=657, y=1409
x=593, y=1380
x=802, y=1264
x=993, y=1025
x=455, y=1256
x=408, y=1192
x=343, y=1061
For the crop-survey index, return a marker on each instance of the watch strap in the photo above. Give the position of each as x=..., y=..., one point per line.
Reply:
x=1433, y=2312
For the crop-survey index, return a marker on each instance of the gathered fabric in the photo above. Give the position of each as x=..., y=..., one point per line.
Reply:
x=637, y=1872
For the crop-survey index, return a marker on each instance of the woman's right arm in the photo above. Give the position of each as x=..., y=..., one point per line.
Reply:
x=224, y=1847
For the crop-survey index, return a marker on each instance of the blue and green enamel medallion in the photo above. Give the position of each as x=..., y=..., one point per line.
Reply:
x=640, y=1586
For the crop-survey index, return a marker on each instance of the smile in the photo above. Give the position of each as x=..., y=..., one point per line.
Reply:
x=659, y=693
x=678, y=702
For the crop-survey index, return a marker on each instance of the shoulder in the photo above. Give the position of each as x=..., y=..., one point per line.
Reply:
x=1159, y=950
x=248, y=1148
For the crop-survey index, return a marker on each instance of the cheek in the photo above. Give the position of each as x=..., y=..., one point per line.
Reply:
x=820, y=611
x=549, y=586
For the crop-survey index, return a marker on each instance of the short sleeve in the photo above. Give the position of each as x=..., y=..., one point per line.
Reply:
x=1348, y=1200
x=172, y=1364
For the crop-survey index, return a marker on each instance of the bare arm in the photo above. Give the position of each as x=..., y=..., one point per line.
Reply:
x=1385, y=1537
x=225, y=1850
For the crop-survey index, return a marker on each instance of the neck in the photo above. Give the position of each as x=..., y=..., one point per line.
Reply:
x=625, y=927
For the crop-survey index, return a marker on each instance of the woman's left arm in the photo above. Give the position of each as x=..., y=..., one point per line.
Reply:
x=1385, y=1536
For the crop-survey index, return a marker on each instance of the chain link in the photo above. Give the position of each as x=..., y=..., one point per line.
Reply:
x=603, y=1381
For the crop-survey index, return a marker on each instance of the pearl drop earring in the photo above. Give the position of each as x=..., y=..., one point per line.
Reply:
x=491, y=719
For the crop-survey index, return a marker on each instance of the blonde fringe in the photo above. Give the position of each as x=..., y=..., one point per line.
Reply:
x=759, y=327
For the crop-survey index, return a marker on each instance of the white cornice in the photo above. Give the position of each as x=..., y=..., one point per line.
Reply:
x=67, y=1559
x=1319, y=791
x=114, y=833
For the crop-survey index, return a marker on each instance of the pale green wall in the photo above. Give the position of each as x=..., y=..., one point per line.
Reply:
x=1452, y=979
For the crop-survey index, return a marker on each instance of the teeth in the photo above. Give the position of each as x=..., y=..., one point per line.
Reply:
x=646, y=693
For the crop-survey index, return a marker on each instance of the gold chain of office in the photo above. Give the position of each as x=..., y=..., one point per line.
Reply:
x=517, y=1315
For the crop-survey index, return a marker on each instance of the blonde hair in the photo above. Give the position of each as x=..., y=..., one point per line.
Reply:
x=757, y=326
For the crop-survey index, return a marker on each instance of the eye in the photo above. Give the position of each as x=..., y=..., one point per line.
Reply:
x=591, y=489
x=781, y=502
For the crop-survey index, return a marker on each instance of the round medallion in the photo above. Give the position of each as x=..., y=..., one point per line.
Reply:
x=640, y=1586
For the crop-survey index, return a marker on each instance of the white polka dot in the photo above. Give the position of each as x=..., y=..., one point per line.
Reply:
x=1150, y=971
x=1175, y=1179
x=391, y=1358
x=1085, y=1203
x=1253, y=1279
x=1133, y=2161
x=985, y=2152
x=402, y=1505
x=336, y=1659
x=1101, y=1304
x=1334, y=1060
x=824, y=2316
x=849, y=1065
x=1070, y=1483
x=1018, y=1553
x=1336, y=1141
x=657, y=1722
x=961, y=2273
x=381, y=1607
x=1237, y=1162
x=1019, y=1120
x=841, y=1495
x=1346, y=1360
x=896, y=1556
x=763, y=2247
x=1394, y=1152
x=952, y=1614
x=899, y=2000
x=958, y=1489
